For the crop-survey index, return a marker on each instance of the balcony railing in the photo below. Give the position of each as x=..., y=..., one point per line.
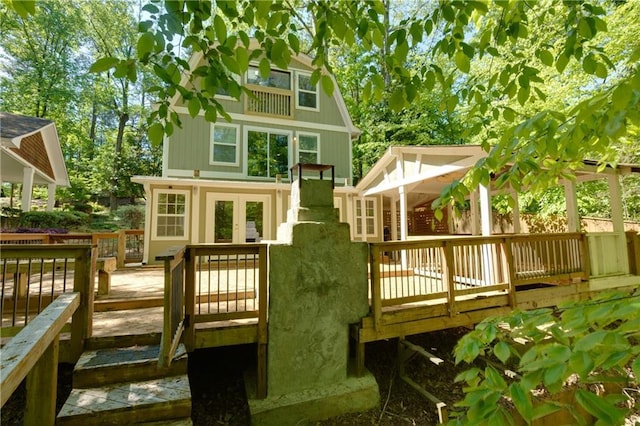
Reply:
x=269, y=101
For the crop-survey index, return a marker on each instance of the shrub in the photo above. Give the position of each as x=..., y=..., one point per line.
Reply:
x=131, y=216
x=55, y=219
x=586, y=351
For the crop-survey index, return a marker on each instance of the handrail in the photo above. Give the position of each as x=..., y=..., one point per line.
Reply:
x=455, y=267
x=174, y=319
x=33, y=353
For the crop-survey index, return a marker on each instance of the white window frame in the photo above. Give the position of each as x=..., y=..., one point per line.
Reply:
x=238, y=80
x=298, y=90
x=186, y=214
x=245, y=135
x=212, y=144
x=359, y=219
x=298, y=145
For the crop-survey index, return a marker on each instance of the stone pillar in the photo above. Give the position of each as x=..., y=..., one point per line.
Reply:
x=317, y=287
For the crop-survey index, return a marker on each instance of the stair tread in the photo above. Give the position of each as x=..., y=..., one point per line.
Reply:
x=118, y=356
x=92, y=401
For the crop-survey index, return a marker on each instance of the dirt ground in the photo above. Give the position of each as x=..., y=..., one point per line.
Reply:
x=218, y=394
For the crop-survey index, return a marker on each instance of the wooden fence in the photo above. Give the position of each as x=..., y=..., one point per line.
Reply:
x=126, y=245
x=174, y=318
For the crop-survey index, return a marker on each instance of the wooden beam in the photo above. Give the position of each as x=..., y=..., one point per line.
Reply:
x=23, y=351
x=42, y=386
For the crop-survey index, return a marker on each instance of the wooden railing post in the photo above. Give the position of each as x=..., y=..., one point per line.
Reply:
x=190, y=257
x=262, y=323
x=586, y=261
x=42, y=384
x=376, y=296
x=122, y=248
x=508, y=269
x=448, y=272
x=633, y=251
x=82, y=323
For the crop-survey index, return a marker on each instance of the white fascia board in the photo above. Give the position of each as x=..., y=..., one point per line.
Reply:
x=54, y=150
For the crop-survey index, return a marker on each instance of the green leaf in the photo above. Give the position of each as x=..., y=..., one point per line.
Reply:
x=509, y=114
x=438, y=214
x=561, y=63
x=502, y=350
x=553, y=377
x=523, y=95
x=327, y=84
x=103, y=64
x=600, y=408
x=546, y=57
x=601, y=70
x=396, y=102
x=581, y=363
x=636, y=367
x=589, y=64
x=590, y=341
x=156, y=133
x=522, y=400
x=24, y=8
x=242, y=58
x=462, y=62
x=220, y=27
x=265, y=68
x=145, y=45
x=194, y=106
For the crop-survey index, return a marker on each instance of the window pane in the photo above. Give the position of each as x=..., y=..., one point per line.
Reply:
x=257, y=154
x=304, y=83
x=224, y=153
x=306, y=99
x=223, y=232
x=224, y=134
x=279, y=154
x=308, y=143
x=278, y=79
x=308, y=157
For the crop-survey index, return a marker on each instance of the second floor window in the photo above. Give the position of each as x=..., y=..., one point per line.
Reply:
x=308, y=149
x=224, y=145
x=306, y=93
x=268, y=153
x=277, y=79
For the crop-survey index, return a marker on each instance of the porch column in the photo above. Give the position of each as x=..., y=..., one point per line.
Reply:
x=403, y=213
x=475, y=219
x=615, y=194
x=573, y=216
x=51, y=196
x=363, y=219
x=394, y=220
x=486, y=219
x=147, y=222
x=27, y=188
x=516, y=214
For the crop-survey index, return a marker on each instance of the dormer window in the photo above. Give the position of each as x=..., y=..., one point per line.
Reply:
x=277, y=79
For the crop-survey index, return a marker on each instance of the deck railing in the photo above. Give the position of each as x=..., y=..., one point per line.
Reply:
x=608, y=253
x=269, y=101
x=404, y=272
x=224, y=283
x=34, y=275
x=33, y=354
x=174, y=318
x=126, y=245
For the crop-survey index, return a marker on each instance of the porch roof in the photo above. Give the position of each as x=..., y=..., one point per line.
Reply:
x=31, y=142
x=425, y=170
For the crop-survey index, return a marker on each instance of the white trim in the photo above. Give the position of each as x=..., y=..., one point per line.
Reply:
x=195, y=213
x=165, y=156
x=187, y=210
x=258, y=119
x=239, y=201
x=212, y=144
x=298, y=90
x=363, y=218
x=297, y=147
x=268, y=130
x=180, y=173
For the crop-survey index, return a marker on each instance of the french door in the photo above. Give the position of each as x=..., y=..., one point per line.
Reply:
x=237, y=219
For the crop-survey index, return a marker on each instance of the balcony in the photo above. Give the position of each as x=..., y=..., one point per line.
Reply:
x=269, y=101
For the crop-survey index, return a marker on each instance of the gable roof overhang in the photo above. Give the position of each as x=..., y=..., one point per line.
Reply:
x=424, y=171
x=31, y=142
x=355, y=132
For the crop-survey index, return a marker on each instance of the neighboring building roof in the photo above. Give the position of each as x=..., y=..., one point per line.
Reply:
x=305, y=60
x=31, y=142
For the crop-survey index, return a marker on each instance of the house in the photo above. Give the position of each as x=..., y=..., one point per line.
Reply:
x=31, y=155
x=229, y=182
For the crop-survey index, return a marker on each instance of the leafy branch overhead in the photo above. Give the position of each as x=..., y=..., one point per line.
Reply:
x=481, y=55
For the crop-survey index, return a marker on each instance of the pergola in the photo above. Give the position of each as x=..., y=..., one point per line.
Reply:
x=31, y=155
x=409, y=176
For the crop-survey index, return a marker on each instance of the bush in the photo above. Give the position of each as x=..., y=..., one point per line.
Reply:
x=131, y=216
x=55, y=219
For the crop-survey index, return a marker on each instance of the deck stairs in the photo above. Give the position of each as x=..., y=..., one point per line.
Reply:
x=125, y=386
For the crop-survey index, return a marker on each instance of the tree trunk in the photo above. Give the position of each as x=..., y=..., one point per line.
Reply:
x=113, y=196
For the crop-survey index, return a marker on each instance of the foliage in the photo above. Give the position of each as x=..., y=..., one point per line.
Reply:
x=589, y=346
x=57, y=219
x=131, y=217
